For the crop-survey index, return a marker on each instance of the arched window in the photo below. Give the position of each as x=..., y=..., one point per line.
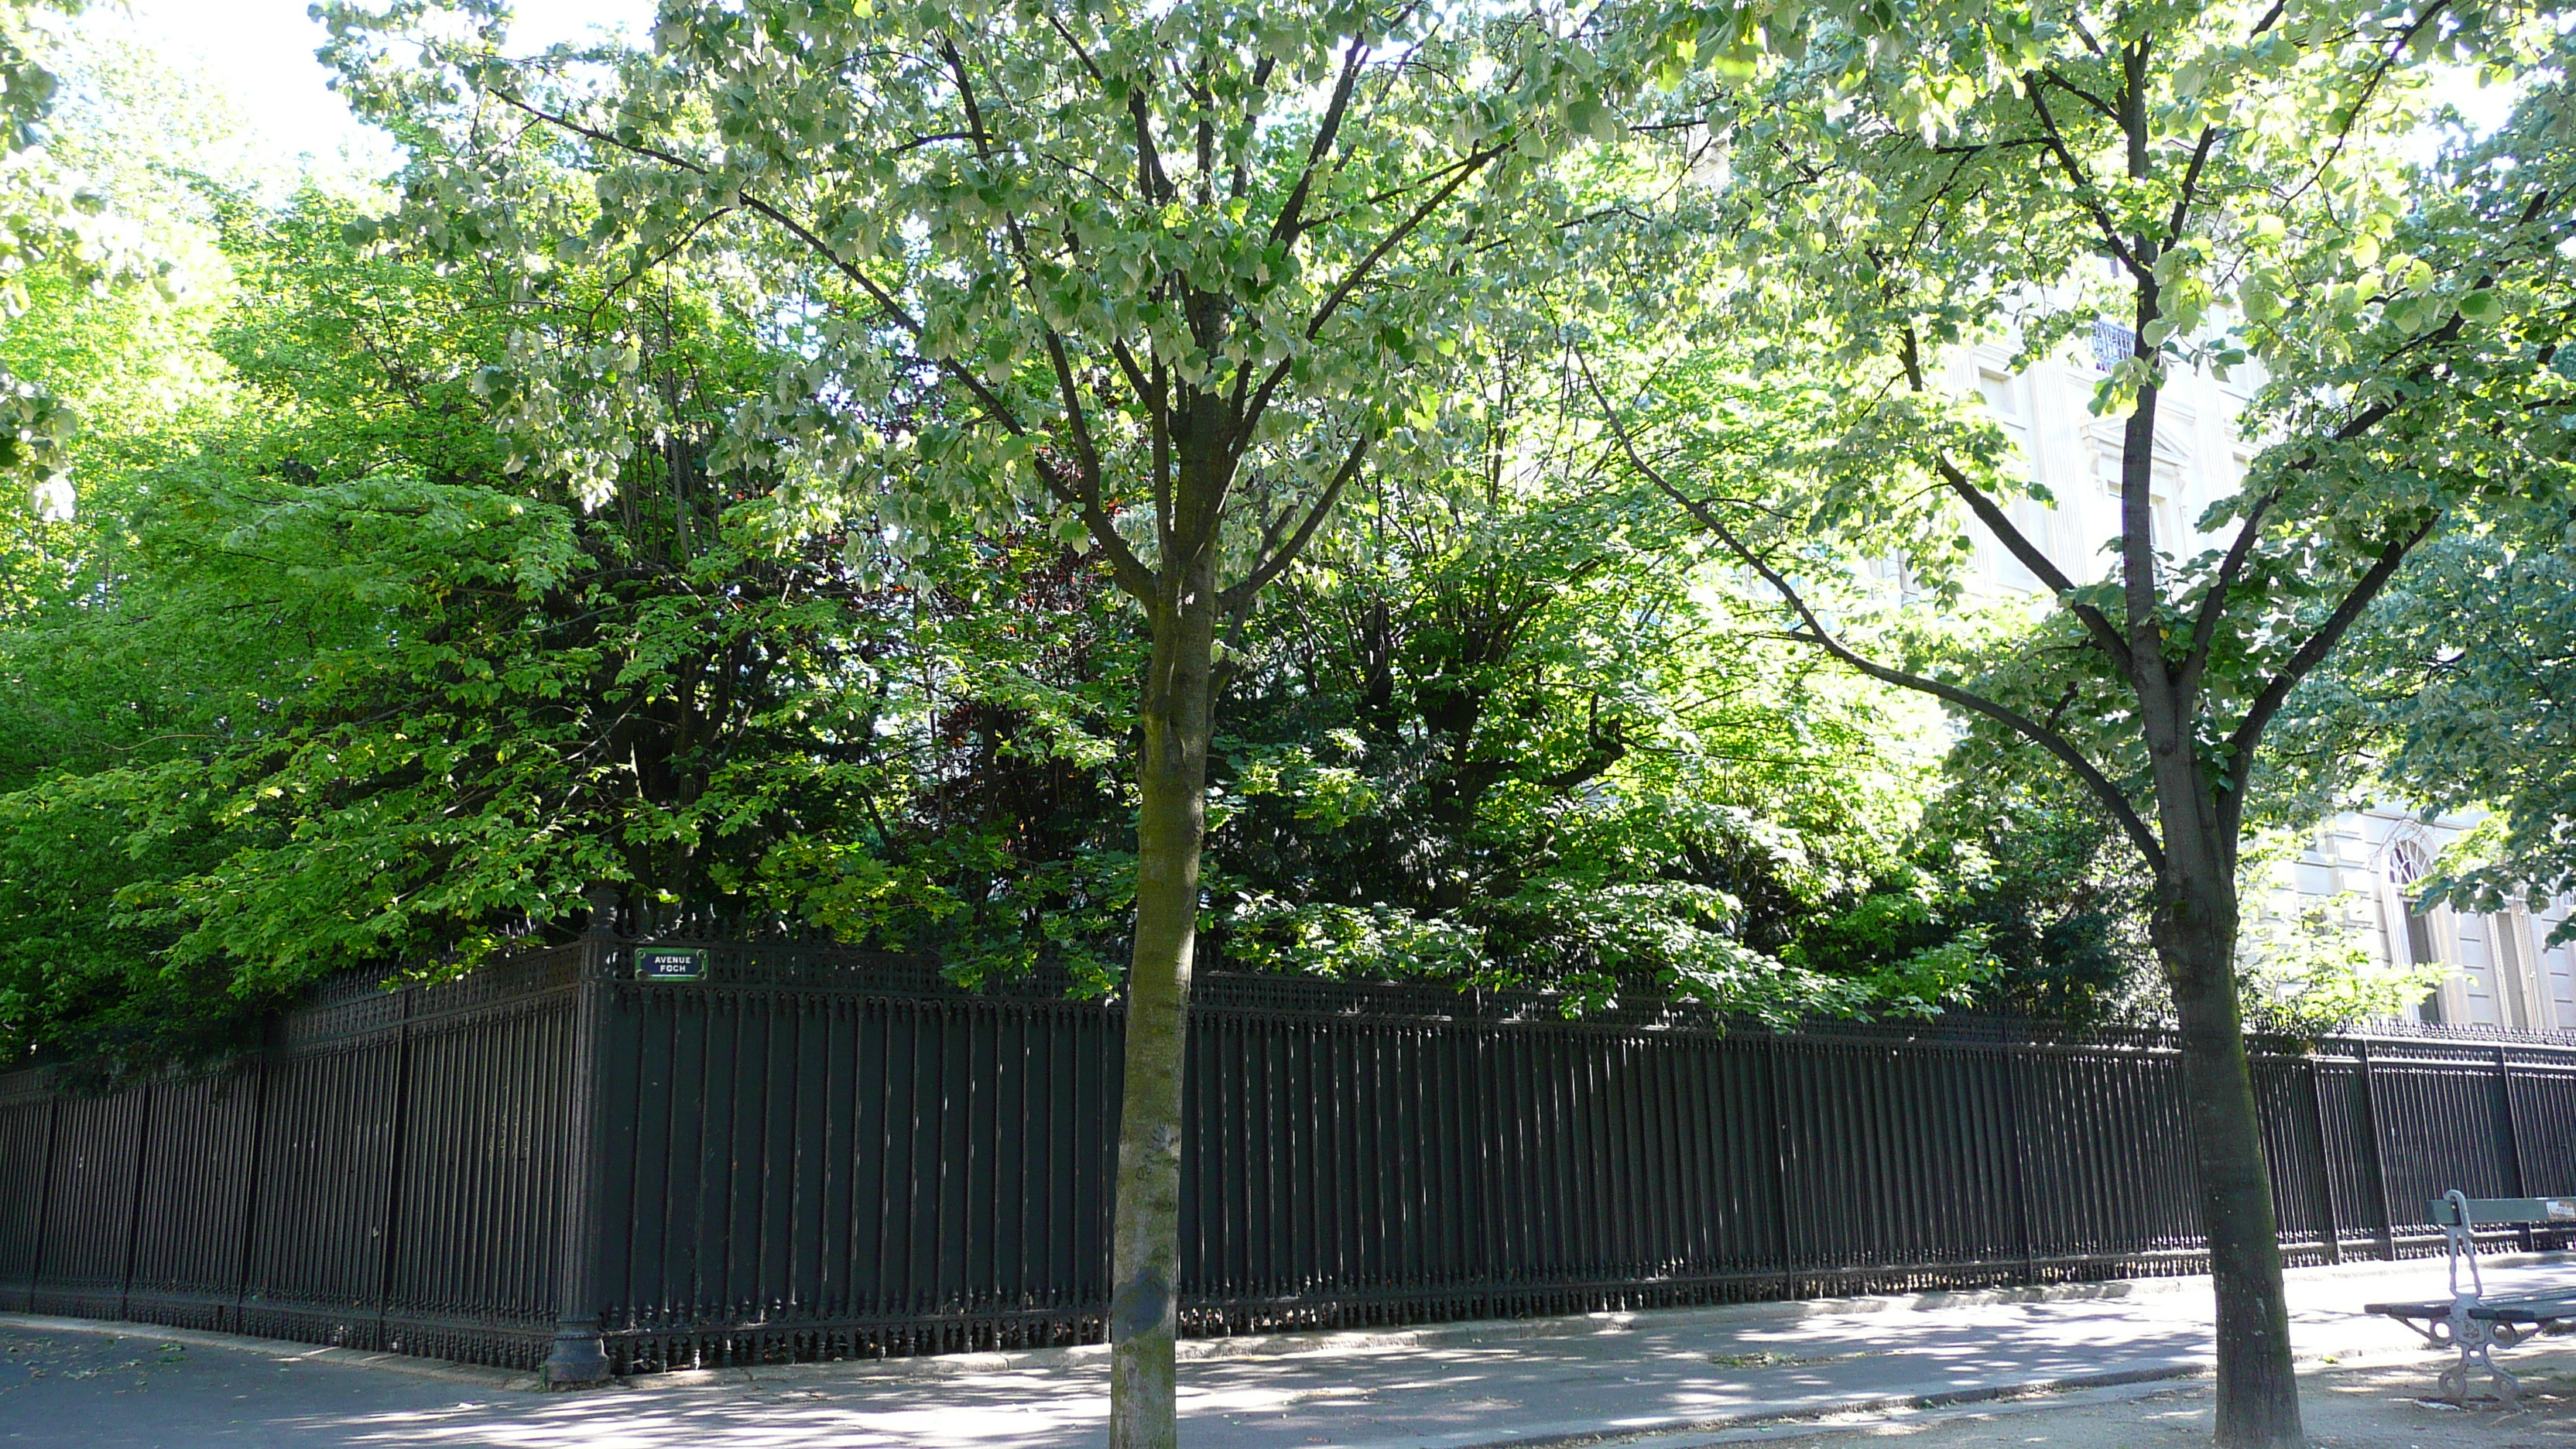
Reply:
x=2407, y=864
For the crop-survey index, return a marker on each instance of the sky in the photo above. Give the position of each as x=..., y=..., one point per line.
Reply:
x=262, y=52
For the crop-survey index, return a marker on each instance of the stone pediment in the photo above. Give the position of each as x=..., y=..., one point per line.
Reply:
x=2105, y=437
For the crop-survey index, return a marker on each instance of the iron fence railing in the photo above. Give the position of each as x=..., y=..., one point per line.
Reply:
x=814, y=1152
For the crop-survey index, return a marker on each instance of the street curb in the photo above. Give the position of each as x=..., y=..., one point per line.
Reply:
x=479, y=1375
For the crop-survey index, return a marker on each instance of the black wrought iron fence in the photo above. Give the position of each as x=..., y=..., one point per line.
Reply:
x=812, y=1152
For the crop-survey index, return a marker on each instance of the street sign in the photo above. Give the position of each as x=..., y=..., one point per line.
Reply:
x=670, y=963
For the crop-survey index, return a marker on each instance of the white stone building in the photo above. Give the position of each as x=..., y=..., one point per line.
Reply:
x=2360, y=866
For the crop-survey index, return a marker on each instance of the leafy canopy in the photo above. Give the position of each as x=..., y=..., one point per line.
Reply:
x=1137, y=273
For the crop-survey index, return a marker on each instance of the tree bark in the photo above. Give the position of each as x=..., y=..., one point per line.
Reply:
x=2194, y=929
x=2195, y=936
x=1171, y=824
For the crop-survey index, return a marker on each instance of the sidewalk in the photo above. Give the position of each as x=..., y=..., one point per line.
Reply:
x=1670, y=1378
x=2344, y=1408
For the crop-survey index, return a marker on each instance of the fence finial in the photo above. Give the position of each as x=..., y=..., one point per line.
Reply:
x=602, y=897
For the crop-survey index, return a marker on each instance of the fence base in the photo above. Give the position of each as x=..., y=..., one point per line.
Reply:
x=578, y=1360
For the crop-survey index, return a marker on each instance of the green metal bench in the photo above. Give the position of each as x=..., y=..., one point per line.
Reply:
x=2471, y=1324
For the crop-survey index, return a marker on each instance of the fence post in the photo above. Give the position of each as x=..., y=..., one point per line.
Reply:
x=2325, y=1161
x=45, y=1190
x=2374, y=1161
x=1779, y=1164
x=385, y=1262
x=2512, y=1144
x=578, y=1357
x=250, y=1198
x=2020, y=1160
x=134, y=1206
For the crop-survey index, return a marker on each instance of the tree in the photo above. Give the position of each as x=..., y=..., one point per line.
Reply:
x=1149, y=275
x=315, y=682
x=2223, y=185
x=1513, y=728
x=326, y=686
x=321, y=685
x=2028, y=867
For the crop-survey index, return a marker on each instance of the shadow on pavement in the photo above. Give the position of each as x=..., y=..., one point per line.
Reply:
x=83, y=1391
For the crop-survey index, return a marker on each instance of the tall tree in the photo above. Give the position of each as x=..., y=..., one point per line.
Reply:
x=2211, y=186
x=1154, y=275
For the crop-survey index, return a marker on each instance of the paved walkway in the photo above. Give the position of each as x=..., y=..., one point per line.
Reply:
x=2344, y=1408
x=1685, y=1374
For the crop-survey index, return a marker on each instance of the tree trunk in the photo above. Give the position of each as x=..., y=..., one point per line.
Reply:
x=1171, y=822
x=2195, y=937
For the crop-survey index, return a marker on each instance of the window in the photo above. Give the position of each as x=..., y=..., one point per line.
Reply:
x=2113, y=344
x=2003, y=398
x=2560, y=986
x=2419, y=936
x=2475, y=963
x=2407, y=864
x=2165, y=518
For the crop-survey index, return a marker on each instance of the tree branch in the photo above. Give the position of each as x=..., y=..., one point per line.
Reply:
x=2213, y=607
x=1359, y=272
x=2190, y=181
x=1285, y=226
x=2084, y=188
x=1983, y=505
x=2109, y=112
x=2258, y=715
x=1056, y=23
x=884, y=299
x=1815, y=633
x=2379, y=70
x=1089, y=489
x=1282, y=557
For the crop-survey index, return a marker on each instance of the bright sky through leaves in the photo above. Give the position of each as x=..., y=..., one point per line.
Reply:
x=261, y=51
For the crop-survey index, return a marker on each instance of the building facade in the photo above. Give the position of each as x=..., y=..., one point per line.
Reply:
x=2360, y=868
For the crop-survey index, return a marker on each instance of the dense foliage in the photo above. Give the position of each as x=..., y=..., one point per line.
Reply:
x=323, y=675
x=2456, y=693
x=2231, y=186
x=1015, y=483
x=336, y=668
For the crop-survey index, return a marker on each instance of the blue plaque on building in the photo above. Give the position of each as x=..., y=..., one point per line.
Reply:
x=670, y=963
